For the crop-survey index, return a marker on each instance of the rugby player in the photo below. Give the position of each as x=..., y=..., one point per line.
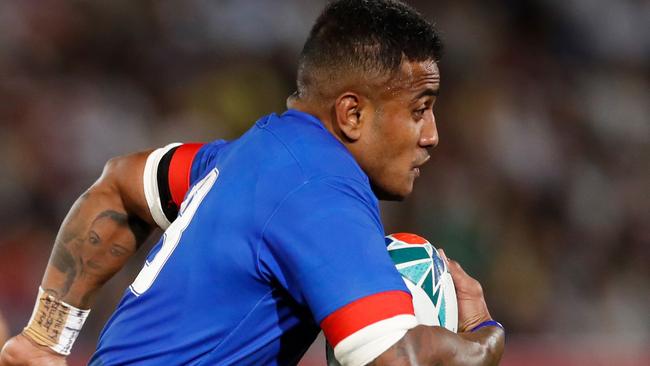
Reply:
x=275, y=235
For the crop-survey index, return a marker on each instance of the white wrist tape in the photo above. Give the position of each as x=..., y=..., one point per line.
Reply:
x=54, y=323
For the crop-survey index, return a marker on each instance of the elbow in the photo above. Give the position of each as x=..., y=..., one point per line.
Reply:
x=111, y=169
x=113, y=175
x=488, y=349
x=494, y=346
x=107, y=186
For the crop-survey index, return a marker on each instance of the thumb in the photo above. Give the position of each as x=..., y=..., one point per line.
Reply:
x=441, y=252
x=454, y=268
x=458, y=275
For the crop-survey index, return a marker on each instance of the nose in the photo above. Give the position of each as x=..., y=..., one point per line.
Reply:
x=429, y=134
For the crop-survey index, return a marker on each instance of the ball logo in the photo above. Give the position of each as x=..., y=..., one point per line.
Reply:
x=427, y=276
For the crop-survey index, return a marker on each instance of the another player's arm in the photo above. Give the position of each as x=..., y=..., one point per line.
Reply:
x=424, y=345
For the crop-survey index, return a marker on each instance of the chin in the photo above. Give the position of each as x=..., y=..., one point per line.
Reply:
x=385, y=194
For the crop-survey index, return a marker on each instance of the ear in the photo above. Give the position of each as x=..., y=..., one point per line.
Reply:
x=348, y=115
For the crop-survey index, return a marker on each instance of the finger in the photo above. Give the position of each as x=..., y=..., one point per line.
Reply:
x=4, y=331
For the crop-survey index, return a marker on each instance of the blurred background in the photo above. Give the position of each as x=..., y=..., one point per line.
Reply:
x=540, y=185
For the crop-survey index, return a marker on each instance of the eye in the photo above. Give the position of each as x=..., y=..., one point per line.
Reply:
x=93, y=238
x=419, y=113
x=117, y=251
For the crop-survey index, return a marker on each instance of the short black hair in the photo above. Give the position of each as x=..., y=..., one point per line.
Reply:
x=371, y=36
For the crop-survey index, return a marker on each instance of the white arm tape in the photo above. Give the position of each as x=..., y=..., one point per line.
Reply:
x=365, y=345
x=150, y=181
x=54, y=323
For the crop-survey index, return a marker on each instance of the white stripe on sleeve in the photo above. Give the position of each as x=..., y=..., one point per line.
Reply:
x=368, y=343
x=150, y=181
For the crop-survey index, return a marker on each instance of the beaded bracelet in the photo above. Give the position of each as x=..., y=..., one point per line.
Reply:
x=487, y=323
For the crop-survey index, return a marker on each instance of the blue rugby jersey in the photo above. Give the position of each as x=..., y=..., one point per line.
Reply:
x=280, y=229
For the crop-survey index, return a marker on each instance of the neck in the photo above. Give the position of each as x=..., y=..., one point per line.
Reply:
x=316, y=109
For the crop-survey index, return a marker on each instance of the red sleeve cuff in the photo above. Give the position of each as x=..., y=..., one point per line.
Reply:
x=179, y=171
x=363, y=312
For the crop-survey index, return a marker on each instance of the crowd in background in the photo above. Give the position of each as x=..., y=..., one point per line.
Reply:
x=540, y=185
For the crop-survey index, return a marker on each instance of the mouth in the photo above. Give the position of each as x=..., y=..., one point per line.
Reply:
x=418, y=164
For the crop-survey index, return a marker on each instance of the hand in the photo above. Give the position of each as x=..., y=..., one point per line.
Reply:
x=472, y=309
x=4, y=331
x=21, y=351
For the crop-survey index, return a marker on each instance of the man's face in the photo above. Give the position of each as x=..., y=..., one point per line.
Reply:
x=401, y=130
x=111, y=240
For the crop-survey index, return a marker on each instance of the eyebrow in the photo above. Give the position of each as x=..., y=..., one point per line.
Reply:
x=427, y=92
x=119, y=218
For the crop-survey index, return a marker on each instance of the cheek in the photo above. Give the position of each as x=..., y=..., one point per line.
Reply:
x=391, y=152
x=404, y=154
x=404, y=146
x=398, y=174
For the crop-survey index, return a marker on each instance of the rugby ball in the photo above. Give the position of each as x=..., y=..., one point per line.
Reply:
x=427, y=277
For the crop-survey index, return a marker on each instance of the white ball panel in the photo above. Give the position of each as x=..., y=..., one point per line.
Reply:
x=425, y=312
x=451, y=304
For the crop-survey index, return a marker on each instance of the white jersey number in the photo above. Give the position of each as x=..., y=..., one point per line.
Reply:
x=173, y=234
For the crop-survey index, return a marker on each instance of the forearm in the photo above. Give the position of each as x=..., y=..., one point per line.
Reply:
x=104, y=227
x=437, y=346
x=94, y=242
x=483, y=347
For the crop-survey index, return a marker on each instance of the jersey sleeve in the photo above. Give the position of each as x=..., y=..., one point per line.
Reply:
x=166, y=179
x=169, y=173
x=325, y=245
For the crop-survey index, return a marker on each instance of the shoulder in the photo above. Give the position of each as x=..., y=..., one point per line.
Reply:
x=325, y=205
x=332, y=192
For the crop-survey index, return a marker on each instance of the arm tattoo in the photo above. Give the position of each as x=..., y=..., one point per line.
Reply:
x=138, y=228
x=89, y=250
x=65, y=263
